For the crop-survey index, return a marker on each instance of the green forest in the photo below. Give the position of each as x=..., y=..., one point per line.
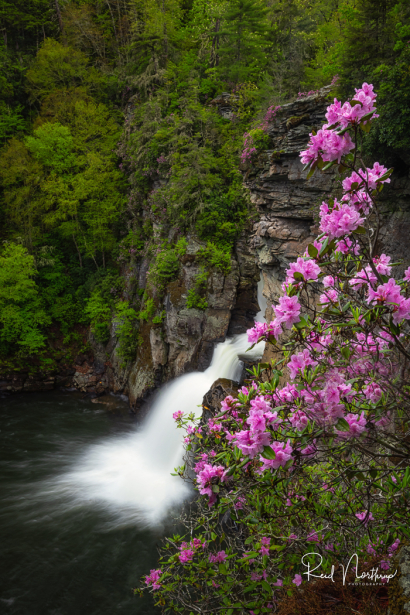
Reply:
x=111, y=148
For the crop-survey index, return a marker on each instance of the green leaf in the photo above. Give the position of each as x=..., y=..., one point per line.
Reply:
x=251, y=555
x=268, y=453
x=324, y=246
x=385, y=176
x=266, y=587
x=288, y=464
x=328, y=165
x=222, y=569
x=215, y=488
x=298, y=276
x=395, y=329
x=312, y=251
x=360, y=230
x=355, y=102
x=342, y=425
x=367, y=116
x=312, y=170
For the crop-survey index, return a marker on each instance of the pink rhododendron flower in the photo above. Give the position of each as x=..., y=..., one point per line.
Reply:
x=330, y=296
x=288, y=393
x=205, y=478
x=177, y=415
x=372, y=392
x=313, y=537
x=297, y=580
x=299, y=420
x=342, y=220
x=251, y=443
x=328, y=280
x=256, y=332
x=255, y=576
x=308, y=268
x=365, y=517
x=385, y=293
x=186, y=556
x=382, y=264
x=393, y=547
x=288, y=311
x=283, y=452
x=153, y=578
x=357, y=425
x=365, y=276
x=384, y=565
x=218, y=558
x=298, y=362
x=229, y=402
x=407, y=275
x=346, y=246
x=328, y=145
x=370, y=550
x=278, y=583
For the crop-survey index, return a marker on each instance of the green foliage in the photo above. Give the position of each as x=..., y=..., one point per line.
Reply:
x=195, y=297
x=244, y=36
x=22, y=313
x=52, y=145
x=394, y=97
x=62, y=99
x=165, y=268
x=99, y=313
x=181, y=246
x=126, y=331
x=148, y=311
x=216, y=257
x=57, y=67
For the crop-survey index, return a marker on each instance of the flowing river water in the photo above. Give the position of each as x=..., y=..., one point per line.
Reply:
x=86, y=492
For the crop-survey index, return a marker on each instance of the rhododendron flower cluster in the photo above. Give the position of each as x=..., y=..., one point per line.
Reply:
x=209, y=476
x=153, y=578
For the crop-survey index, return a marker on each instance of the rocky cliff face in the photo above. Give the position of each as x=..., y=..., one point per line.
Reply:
x=185, y=339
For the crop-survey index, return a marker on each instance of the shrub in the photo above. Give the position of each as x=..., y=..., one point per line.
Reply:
x=195, y=297
x=126, y=331
x=22, y=314
x=316, y=470
x=215, y=256
x=99, y=312
x=165, y=268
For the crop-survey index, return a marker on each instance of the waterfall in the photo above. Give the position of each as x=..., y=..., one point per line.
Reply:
x=131, y=475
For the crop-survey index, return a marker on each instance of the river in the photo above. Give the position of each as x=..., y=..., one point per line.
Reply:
x=87, y=494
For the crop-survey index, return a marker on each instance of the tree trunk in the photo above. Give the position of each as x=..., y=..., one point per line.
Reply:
x=215, y=44
x=60, y=20
x=78, y=251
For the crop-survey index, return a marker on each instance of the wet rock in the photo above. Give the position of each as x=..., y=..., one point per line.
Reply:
x=211, y=403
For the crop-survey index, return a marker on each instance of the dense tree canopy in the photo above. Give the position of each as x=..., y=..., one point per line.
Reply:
x=107, y=127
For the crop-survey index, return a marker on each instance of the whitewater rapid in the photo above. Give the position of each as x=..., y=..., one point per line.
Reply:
x=130, y=475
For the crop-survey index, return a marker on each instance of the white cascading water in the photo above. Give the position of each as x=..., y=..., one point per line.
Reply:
x=131, y=475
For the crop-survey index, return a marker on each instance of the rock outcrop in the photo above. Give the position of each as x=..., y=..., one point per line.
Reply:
x=185, y=338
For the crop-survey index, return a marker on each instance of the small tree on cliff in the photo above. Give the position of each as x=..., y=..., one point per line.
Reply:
x=318, y=466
